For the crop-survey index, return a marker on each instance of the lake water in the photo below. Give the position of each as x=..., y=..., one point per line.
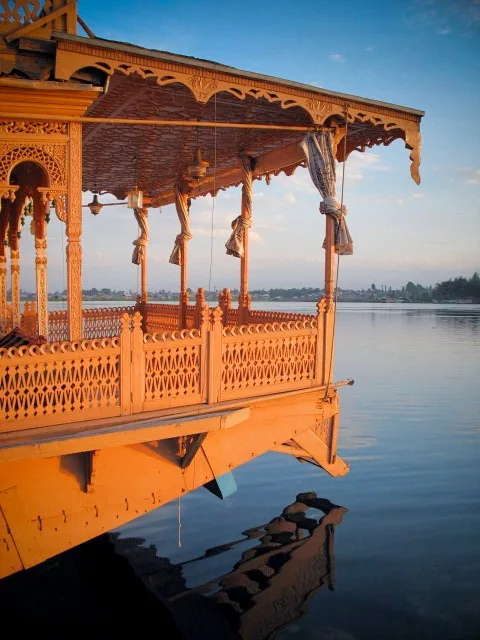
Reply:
x=406, y=557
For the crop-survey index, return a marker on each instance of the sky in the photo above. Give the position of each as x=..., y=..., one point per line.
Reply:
x=423, y=54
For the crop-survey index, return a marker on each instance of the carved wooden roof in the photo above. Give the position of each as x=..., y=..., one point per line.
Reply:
x=117, y=157
x=149, y=85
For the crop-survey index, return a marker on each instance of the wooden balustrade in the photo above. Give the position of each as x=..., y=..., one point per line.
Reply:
x=261, y=316
x=65, y=382
x=161, y=317
x=103, y=323
x=267, y=358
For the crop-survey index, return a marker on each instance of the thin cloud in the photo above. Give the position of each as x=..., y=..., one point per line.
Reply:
x=471, y=176
x=336, y=57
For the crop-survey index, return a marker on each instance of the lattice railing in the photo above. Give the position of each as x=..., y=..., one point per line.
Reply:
x=261, y=316
x=97, y=323
x=64, y=382
x=23, y=11
x=173, y=369
x=103, y=323
x=161, y=317
x=265, y=358
x=57, y=14
x=59, y=383
x=57, y=326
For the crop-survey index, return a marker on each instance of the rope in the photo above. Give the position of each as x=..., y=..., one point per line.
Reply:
x=138, y=264
x=214, y=189
x=64, y=259
x=337, y=274
x=179, y=523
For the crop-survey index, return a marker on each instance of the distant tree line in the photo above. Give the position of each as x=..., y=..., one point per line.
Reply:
x=458, y=289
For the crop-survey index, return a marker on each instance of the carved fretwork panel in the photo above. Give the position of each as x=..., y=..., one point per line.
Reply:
x=52, y=157
x=54, y=381
x=22, y=11
x=258, y=363
x=27, y=127
x=172, y=369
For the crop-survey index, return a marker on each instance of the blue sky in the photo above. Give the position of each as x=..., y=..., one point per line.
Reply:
x=423, y=54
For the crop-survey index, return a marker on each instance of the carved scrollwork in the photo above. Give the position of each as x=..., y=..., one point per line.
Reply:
x=319, y=109
x=57, y=195
x=53, y=158
x=29, y=127
x=202, y=87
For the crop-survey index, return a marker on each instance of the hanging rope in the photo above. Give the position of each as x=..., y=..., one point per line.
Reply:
x=179, y=523
x=214, y=189
x=64, y=259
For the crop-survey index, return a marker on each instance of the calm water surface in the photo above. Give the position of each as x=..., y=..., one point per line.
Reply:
x=406, y=557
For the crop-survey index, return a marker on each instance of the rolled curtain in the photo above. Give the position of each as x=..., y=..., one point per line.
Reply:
x=181, y=204
x=235, y=246
x=318, y=150
x=141, y=243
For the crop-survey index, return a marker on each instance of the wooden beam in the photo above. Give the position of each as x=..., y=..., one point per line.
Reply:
x=320, y=452
x=85, y=27
x=160, y=123
x=115, y=436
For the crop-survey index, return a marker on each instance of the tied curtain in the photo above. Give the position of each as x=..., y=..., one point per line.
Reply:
x=318, y=149
x=235, y=245
x=182, y=206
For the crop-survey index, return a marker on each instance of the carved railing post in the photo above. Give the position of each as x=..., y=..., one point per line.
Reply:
x=125, y=365
x=74, y=232
x=200, y=306
x=29, y=318
x=329, y=315
x=320, y=346
x=138, y=364
x=215, y=357
x=3, y=293
x=225, y=304
x=204, y=327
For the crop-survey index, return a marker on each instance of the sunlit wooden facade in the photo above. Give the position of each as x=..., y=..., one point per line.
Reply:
x=107, y=414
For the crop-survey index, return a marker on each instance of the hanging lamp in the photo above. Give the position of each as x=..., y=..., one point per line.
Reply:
x=198, y=168
x=95, y=206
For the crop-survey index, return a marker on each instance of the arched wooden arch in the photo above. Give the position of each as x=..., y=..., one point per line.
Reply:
x=42, y=155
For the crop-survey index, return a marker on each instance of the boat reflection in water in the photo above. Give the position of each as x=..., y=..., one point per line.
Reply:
x=267, y=588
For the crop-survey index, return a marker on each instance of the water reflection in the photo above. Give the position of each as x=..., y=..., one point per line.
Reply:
x=287, y=561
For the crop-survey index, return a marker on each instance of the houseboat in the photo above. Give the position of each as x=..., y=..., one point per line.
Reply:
x=108, y=414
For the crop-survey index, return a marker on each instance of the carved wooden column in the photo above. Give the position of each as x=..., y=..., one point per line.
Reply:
x=329, y=306
x=41, y=208
x=179, y=254
x=3, y=275
x=3, y=291
x=15, y=281
x=74, y=232
x=144, y=239
x=245, y=299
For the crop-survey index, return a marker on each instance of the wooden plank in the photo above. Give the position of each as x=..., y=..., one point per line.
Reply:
x=115, y=436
